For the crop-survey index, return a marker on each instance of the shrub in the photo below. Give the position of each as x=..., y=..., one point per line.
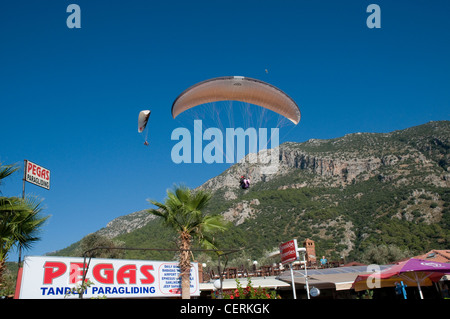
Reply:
x=249, y=292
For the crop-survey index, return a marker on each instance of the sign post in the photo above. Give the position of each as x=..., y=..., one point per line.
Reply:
x=292, y=281
x=36, y=175
x=306, y=271
x=289, y=254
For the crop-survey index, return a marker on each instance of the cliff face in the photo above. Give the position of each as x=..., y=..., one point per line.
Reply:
x=355, y=157
x=126, y=224
x=342, y=171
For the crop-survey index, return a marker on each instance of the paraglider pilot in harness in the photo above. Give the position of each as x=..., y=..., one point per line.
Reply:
x=244, y=182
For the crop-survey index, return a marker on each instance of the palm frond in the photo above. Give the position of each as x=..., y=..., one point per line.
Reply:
x=6, y=170
x=182, y=210
x=20, y=222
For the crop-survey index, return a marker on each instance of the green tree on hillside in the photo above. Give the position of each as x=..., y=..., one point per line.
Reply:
x=98, y=246
x=182, y=211
x=384, y=254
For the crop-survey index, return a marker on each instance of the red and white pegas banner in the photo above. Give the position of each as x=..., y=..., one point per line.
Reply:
x=44, y=277
x=289, y=251
x=37, y=175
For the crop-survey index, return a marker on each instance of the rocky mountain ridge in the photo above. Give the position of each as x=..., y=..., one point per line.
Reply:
x=126, y=224
x=354, y=157
x=345, y=193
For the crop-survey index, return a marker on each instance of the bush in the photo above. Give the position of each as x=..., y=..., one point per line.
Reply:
x=250, y=292
x=384, y=254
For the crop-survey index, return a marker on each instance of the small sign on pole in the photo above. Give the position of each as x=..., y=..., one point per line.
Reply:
x=289, y=251
x=37, y=175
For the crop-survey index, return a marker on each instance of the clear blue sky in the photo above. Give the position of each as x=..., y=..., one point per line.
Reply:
x=69, y=98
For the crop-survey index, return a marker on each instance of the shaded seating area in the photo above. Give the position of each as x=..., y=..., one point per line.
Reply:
x=242, y=272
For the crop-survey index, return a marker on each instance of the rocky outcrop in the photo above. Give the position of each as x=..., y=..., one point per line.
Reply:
x=126, y=224
x=346, y=170
x=349, y=159
x=241, y=211
x=341, y=171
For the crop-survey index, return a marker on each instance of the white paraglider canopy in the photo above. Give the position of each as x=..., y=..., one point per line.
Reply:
x=143, y=120
x=142, y=123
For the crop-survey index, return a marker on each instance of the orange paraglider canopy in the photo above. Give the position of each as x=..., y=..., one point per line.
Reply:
x=237, y=88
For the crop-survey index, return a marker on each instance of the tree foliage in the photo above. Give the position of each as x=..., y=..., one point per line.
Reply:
x=104, y=247
x=20, y=220
x=183, y=211
x=384, y=254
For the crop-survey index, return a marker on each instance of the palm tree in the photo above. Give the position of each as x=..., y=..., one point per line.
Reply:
x=19, y=220
x=182, y=211
x=19, y=223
